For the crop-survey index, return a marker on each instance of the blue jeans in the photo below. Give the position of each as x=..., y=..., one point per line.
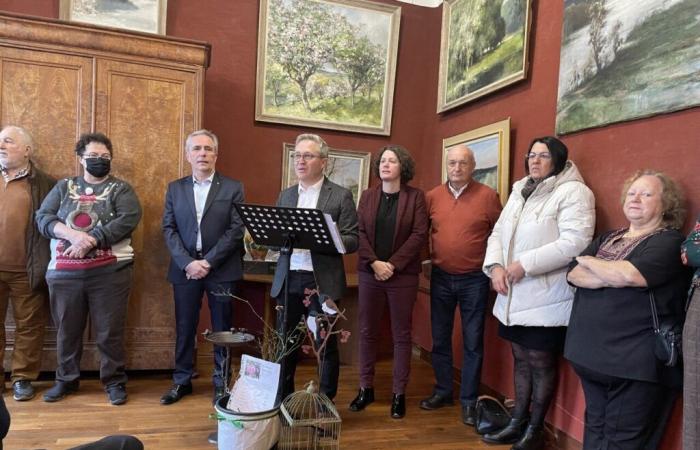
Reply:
x=469, y=291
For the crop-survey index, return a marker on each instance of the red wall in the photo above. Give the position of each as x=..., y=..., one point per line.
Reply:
x=605, y=155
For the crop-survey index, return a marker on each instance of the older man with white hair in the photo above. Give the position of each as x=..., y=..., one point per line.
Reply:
x=24, y=256
x=462, y=215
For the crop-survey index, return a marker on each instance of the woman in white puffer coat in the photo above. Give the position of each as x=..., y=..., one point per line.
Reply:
x=548, y=220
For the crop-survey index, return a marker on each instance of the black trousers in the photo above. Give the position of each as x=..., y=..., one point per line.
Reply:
x=329, y=369
x=188, y=302
x=621, y=413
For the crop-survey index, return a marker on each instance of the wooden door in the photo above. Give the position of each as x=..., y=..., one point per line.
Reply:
x=147, y=111
x=50, y=95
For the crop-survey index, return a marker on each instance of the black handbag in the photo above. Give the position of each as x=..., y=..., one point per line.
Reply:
x=668, y=336
x=491, y=415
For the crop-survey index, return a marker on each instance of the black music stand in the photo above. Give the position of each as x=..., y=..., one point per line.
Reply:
x=288, y=228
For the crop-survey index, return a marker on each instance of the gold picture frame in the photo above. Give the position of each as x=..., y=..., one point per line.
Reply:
x=327, y=64
x=347, y=168
x=482, y=49
x=147, y=16
x=491, y=147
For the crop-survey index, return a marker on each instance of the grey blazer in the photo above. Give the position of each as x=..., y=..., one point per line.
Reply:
x=329, y=270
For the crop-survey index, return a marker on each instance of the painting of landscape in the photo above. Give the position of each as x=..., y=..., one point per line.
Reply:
x=138, y=15
x=327, y=64
x=484, y=48
x=627, y=59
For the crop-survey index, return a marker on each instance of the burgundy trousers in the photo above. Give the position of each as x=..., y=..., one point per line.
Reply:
x=399, y=294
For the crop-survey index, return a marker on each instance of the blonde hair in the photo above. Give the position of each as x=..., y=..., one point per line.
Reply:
x=672, y=198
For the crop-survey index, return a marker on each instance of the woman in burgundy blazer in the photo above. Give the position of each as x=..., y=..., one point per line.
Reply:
x=393, y=224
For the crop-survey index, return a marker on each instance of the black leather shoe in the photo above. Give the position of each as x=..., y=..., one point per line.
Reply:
x=436, y=401
x=508, y=435
x=219, y=391
x=22, y=390
x=60, y=389
x=398, y=406
x=364, y=397
x=176, y=392
x=469, y=415
x=533, y=439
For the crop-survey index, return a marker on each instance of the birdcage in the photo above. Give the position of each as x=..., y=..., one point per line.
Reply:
x=309, y=421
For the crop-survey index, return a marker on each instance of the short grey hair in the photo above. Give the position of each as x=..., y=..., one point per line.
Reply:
x=26, y=137
x=202, y=132
x=322, y=146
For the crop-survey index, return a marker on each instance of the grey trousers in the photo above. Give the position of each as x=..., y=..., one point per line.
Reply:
x=691, y=375
x=104, y=299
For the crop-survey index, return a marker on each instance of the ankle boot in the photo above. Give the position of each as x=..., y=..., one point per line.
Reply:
x=398, y=406
x=532, y=439
x=508, y=435
x=364, y=398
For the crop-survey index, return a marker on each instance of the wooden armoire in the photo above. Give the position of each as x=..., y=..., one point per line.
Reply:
x=145, y=92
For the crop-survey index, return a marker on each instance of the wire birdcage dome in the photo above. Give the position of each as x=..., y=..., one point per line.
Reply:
x=309, y=421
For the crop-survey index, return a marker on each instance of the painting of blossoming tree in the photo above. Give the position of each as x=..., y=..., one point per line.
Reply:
x=327, y=64
x=626, y=59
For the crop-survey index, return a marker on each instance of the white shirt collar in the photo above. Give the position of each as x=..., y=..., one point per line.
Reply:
x=456, y=192
x=313, y=187
x=208, y=179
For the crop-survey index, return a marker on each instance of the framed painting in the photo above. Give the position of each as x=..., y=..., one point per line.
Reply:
x=346, y=168
x=626, y=59
x=327, y=64
x=484, y=47
x=138, y=15
x=491, y=147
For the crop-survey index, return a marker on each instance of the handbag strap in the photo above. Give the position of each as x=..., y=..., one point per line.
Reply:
x=654, y=315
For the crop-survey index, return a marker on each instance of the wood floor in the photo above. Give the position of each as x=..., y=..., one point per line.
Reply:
x=87, y=416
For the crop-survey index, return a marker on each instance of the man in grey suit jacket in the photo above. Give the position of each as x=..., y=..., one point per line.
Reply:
x=313, y=270
x=204, y=234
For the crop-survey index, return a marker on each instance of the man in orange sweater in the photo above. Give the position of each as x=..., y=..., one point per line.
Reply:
x=462, y=213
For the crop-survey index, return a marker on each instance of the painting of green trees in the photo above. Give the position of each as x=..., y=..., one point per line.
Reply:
x=327, y=64
x=627, y=59
x=484, y=48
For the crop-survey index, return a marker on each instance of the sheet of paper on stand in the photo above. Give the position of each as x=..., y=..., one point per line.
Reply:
x=311, y=325
x=256, y=387
x=335, y=233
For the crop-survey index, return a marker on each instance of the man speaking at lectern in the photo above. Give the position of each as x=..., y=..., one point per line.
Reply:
x=314, y=270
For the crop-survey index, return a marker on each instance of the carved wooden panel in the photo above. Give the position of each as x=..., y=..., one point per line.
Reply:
x=51, y=96
x=147, y=112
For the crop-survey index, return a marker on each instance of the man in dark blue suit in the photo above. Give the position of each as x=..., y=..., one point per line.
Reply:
x=205, y=237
